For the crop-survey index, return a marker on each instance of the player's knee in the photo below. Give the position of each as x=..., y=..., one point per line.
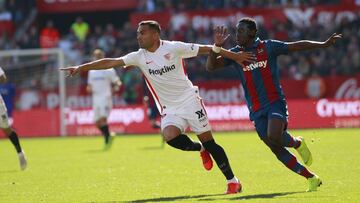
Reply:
x=170, y=133
x=274, y=138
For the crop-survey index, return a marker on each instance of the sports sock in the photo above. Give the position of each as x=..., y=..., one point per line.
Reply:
x=290, y=141
x=233, y=180
x=105, y=131
x=15, y=141
x=219, y=155
x=183, y=142
x=290, y=161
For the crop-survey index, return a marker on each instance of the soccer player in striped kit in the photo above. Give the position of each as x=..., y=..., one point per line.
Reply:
x=177, y=99
x=264, y=96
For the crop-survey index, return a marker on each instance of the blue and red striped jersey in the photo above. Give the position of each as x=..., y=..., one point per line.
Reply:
x=260, y=79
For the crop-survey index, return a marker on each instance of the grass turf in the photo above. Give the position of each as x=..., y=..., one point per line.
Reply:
x=138, y=169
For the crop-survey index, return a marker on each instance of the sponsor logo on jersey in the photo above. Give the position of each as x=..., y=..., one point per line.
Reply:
x=253, y=66
x=167, y=56
x=162, y=70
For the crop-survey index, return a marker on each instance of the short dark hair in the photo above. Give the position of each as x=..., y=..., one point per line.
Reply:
x=152, y=25
x=250, y=22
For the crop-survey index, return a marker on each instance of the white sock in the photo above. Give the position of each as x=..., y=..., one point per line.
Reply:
x=233, y=180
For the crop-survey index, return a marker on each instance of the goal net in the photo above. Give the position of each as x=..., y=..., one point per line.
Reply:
x=46, y=103
x=37, y=106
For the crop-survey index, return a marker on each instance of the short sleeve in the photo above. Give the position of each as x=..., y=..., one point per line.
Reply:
x=277, y=47
x=131, y=59
x=186, y=50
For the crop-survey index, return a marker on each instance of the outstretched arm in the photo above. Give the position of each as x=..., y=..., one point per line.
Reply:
x=100, y=64
x=308, y=45
x=204, y=49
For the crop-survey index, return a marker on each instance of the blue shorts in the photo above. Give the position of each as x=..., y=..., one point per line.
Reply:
x=260, y=118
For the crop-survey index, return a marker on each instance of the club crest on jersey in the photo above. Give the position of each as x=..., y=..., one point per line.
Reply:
x=167, y=56
x=253, y=66
x=260, y=50
x=162, y=70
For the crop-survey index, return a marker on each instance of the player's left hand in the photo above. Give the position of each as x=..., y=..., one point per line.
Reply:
x=220, y=35
x=243, y=56
x=71, y=71
x=332, y=39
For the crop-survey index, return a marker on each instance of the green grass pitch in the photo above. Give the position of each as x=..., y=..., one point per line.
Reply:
x=138, y=169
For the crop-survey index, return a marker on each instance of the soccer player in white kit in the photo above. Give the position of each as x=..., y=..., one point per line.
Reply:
x=101, y=84
x=178, y=101
x=6, y=128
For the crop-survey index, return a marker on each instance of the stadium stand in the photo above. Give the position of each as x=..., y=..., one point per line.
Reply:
x=119, y=40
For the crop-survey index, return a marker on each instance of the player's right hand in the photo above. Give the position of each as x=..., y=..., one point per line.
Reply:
x=71, y=71
x=220, y=35
x=332, y=39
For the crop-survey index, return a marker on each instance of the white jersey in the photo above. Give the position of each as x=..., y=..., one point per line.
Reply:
x=164, y=72
x=101, y=82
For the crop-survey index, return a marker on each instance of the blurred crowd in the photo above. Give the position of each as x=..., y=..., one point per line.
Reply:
x=13, y=13
x=186, y=5
x=83, y=37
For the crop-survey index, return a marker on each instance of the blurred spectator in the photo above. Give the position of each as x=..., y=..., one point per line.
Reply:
x=6, y=24
x=80, y=29
x=107, y=40
x=5, y=15
x=132, y=81
x=30, y=40
x=49, y=36
x=146, y=6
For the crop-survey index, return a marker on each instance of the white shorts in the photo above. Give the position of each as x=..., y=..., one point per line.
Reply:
x=191, y=114
x=101, y=108
x=4, y=120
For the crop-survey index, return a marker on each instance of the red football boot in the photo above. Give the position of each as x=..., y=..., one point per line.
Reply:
x=233, y=188
x=206, y=159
